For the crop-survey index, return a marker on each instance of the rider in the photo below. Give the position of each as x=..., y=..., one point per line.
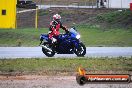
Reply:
x=55, y=25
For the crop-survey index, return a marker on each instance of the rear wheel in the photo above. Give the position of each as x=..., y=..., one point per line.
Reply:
x=81, y=50
x=46, y=52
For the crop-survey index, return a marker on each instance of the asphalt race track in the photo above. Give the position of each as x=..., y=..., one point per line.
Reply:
x=35, y=52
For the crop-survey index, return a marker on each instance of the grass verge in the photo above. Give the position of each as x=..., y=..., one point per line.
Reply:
x=91, y=36
x=116, y=19
x=52, y=66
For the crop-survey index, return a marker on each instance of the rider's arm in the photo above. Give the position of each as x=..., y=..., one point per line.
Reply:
x=63, y=27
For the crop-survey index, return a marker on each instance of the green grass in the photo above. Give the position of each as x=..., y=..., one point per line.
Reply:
x=118, y=19
x=91, y=36
x=62, y=65
x=114, y=16
x=112, y=37
x=23, y=37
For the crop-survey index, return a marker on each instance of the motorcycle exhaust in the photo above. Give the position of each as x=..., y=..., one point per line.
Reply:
x=46, y=48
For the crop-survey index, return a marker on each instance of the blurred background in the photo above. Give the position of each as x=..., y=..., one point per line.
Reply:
x=72, y=11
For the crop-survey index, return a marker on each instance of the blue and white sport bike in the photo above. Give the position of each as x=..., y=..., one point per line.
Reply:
x=68, y=43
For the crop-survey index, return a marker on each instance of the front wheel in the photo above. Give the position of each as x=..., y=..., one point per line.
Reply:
x=46, y=52
x=81, y=50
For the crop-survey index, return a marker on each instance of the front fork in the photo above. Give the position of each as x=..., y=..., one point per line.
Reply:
x=76, y=44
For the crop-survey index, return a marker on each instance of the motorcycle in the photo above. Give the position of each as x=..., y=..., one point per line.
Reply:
x=68, y=43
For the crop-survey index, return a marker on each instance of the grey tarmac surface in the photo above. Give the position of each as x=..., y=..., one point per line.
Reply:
x=36, y=52
x=112, y=5
x=63, y=6
x=53, y=82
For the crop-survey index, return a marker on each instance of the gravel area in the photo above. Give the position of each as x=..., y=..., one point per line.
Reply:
x=50, y=82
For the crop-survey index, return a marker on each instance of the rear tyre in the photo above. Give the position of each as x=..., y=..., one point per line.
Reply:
x=81, y=50
x=46, y=52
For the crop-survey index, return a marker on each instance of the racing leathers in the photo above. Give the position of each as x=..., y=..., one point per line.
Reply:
x=54, y=30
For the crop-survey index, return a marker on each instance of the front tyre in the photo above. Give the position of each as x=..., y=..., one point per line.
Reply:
x=81, y=50
x=46, y=52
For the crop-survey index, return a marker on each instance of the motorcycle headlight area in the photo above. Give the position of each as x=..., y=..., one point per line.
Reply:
x=78, y=36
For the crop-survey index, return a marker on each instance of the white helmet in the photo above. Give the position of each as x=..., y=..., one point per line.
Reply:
x=56, y=17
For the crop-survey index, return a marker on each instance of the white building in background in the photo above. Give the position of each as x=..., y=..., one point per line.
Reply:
x=115, y=3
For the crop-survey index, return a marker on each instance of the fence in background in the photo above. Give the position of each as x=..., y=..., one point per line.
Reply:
x=91, y=3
